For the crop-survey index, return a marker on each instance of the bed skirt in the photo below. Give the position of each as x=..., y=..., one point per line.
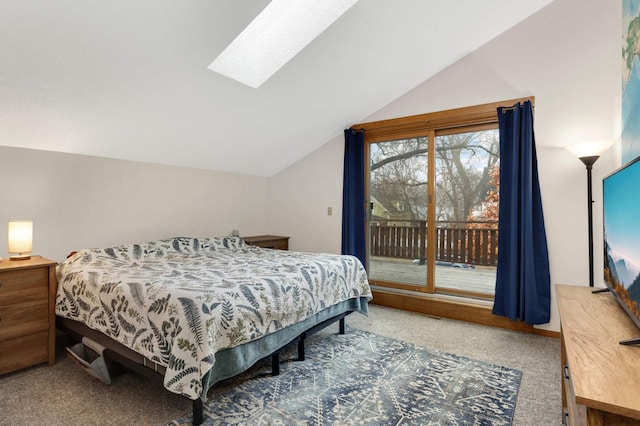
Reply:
x=233, y=361
x=228, y=362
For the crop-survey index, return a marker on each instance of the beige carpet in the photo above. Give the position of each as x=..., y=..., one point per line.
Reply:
x=65, y=395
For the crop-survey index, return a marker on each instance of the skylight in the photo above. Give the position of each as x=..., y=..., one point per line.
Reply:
x=275, y=36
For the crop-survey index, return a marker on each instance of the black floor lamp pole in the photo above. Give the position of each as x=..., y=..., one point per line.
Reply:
x=588, y=161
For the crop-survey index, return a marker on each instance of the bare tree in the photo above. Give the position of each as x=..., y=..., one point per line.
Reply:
x=398, y=173
x=398, y=176
x=463, y=161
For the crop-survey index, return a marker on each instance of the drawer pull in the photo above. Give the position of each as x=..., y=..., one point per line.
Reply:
x=566, y=372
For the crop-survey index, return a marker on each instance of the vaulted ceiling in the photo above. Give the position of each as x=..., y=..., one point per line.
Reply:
x=129, y=79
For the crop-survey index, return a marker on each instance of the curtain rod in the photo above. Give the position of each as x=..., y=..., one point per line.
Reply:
x=511, y=108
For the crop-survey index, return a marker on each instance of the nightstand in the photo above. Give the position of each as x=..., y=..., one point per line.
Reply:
x=27, y=313
x=268, y=241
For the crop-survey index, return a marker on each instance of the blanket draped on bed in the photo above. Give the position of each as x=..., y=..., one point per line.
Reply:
x=179, y=301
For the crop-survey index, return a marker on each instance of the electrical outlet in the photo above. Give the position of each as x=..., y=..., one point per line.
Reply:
x=329, y=211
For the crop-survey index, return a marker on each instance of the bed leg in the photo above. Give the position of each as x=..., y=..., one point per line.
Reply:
x=275, y=364
x=197, y=412
x=301, y=347
x=341, y=326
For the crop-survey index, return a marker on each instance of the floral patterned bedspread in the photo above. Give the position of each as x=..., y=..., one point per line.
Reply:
x=179, y=301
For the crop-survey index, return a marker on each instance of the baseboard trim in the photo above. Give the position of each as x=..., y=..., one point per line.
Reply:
x=462, y=311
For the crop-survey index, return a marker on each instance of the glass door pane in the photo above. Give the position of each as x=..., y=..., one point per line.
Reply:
x=466, y=212
x=398, y=211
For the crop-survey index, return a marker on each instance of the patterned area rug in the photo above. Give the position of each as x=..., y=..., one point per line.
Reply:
x=361, y=378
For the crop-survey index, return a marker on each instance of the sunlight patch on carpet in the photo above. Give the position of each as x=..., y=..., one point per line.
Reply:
x=361, y=378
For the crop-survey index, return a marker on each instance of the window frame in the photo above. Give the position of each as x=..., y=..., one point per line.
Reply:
x=430, y=125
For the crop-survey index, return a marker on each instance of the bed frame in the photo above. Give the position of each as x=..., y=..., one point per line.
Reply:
x=117, y=353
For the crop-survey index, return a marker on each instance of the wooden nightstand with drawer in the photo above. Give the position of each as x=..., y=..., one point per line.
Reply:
x=27, y=313
x=268, y=241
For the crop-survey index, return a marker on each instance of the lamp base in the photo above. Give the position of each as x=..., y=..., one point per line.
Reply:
x=20, y=257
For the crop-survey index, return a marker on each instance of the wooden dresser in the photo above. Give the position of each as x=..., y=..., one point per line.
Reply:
x=27, y=313
x=600, y=377
x=268, y=241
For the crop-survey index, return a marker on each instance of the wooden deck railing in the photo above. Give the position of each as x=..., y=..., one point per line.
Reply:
x=456, y=242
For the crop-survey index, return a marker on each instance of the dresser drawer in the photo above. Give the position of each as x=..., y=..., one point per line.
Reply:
x=23, y=351
x=575, y=414
x=23, y=318
x=23, y=285
x=268, y=241
x=279, y=244
x=27, y=315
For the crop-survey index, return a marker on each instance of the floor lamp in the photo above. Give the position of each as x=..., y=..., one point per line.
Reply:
x=588, y=153
x=588, y=161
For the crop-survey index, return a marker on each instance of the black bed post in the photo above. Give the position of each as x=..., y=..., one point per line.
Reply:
x=341, y=326
x=197, y=412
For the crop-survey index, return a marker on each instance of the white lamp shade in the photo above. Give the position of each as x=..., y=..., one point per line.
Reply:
x=20, y=236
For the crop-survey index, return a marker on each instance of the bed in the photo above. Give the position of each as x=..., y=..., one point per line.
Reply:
x=200, y=310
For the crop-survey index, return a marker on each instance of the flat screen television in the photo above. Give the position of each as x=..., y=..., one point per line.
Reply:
x=621, y=219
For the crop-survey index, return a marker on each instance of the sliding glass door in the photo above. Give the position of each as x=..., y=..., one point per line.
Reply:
x=466, y=212
x=398, y=214
x=432, y=223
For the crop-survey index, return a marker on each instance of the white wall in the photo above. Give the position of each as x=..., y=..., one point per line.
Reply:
x=79, y=201
x=300, y=196
x=568, y=57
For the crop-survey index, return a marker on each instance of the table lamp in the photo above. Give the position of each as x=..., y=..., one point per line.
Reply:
x=20, y=239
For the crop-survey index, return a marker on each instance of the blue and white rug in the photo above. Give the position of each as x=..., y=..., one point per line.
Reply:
x=361, y=378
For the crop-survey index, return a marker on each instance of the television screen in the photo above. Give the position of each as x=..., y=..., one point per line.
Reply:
x=621, y=216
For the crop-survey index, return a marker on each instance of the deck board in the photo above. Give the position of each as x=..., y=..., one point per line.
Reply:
x=480, y=279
